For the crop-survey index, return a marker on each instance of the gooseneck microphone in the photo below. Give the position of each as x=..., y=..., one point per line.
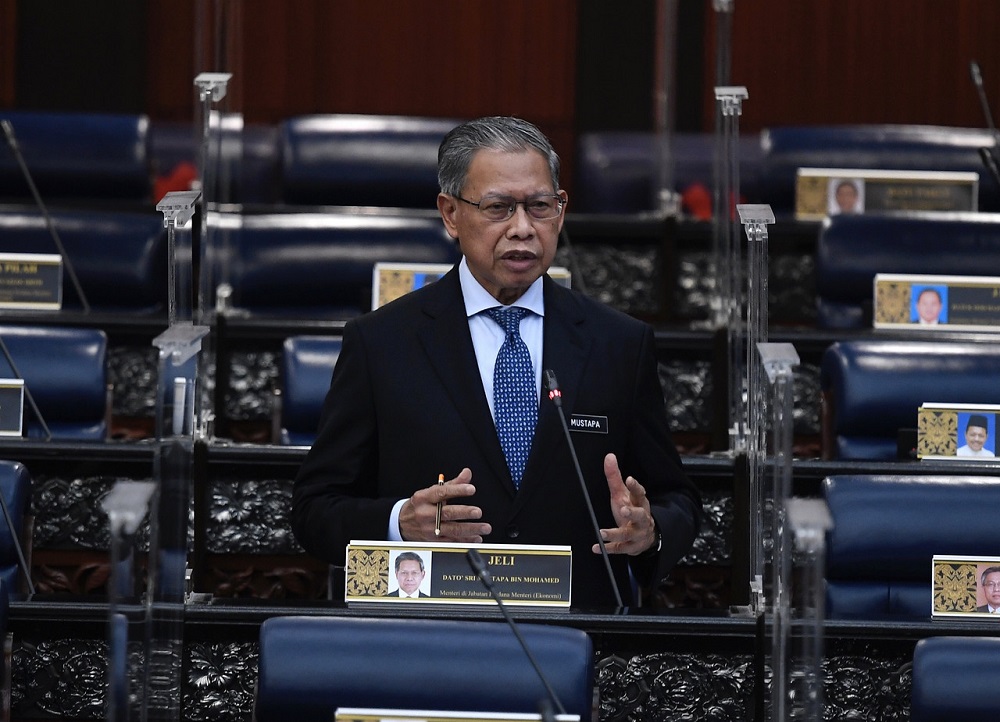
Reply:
x=479, y=567
x=989, y=156
x=8, y=131
x=556, y=396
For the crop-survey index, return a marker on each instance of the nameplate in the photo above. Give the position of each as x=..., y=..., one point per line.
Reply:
x=964, y=432
x=589, y=424
x=438, y=573
x=31, y=281
x=362, y=714
x=11, y=407
x=392, y=280
x=822, y=192
x=937, y=303
x=965, y=586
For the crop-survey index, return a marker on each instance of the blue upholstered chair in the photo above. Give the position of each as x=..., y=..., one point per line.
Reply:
x=65, y=371
x=319, y=265
x=306, y=369
x=78, y=156
x=886, y=530
x=886, y=147
x=954, y=678
x=15, y=485
x=310, y=666
x=872, y=389
x=361, y=160
x=618, y=171
x=852, y=248
x=120, y=257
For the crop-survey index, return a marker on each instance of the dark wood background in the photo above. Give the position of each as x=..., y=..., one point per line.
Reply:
x=569, y=65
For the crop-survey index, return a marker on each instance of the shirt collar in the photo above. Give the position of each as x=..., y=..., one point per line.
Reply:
x=478, y=299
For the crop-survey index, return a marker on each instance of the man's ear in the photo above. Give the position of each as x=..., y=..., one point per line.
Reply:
x=448, y=208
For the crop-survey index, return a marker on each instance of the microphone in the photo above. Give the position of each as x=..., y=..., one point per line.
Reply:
x=990, y=156
x=556, y=396
x=8, y=132
x=479, y=567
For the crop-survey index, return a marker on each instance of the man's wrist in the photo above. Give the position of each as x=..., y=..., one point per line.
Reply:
x=656, y=546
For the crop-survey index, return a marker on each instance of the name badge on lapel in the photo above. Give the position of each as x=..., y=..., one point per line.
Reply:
x=589, y=424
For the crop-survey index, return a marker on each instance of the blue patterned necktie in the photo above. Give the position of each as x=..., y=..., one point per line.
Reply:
x=515, y=400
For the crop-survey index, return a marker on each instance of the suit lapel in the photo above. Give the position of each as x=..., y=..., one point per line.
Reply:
x=448, y=345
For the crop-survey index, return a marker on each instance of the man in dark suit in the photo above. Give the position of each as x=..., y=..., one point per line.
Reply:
x=990, y=581
x=412, y=396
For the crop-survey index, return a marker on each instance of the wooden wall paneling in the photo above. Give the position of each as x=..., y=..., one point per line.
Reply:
x=8, y=51
x=170, y=93
x=853, y=61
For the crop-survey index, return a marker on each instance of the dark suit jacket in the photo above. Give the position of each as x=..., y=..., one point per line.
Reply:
x=407, y=403
x=984, y=608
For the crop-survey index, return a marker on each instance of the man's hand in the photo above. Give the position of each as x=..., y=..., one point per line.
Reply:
x=417, y=517
x=636, y=531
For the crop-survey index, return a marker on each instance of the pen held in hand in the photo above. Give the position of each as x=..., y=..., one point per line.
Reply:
x=437, y=515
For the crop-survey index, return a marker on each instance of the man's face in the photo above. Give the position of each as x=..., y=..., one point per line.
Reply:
x=504, y=256
x=991, y=585
x=847, y=198
x=409, y=575
x=929, y=306
x=975, y=437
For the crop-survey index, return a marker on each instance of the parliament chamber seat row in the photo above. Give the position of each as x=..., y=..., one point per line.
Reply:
x=851, y=249
x=373, y=160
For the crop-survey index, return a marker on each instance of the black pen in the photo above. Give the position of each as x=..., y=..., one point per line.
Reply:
x=437, y=516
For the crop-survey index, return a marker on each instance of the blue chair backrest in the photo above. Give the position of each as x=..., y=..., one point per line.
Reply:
x=361, y=160
x=619, y=171
x=65, y=371
x=886, y=530
x=872, y=388
x=310, y=666
x=120, y=258
x=78, y=156
x=319, y=266
x=306, y=369
x=852, y=249
x=954, y=679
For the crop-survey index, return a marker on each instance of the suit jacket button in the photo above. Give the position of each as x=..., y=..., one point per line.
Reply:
x=512, y=531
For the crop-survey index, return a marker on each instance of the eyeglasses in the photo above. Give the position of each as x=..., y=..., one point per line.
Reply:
x=992, y=585
x=500, y=208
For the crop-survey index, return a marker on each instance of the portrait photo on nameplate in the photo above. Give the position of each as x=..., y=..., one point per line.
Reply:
x=929, y=303
x=957, y=432
x=824, y=192
x=380, y=572
x=965, y=587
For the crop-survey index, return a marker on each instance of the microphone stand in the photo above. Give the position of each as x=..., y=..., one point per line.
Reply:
x=8, y=131
x=556, y=395
x=990, y=156
x=479, y=567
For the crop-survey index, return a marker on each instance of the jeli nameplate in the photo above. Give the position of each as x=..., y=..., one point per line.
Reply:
x=438, y=573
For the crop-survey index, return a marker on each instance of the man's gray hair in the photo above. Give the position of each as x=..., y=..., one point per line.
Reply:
x=496, y=133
